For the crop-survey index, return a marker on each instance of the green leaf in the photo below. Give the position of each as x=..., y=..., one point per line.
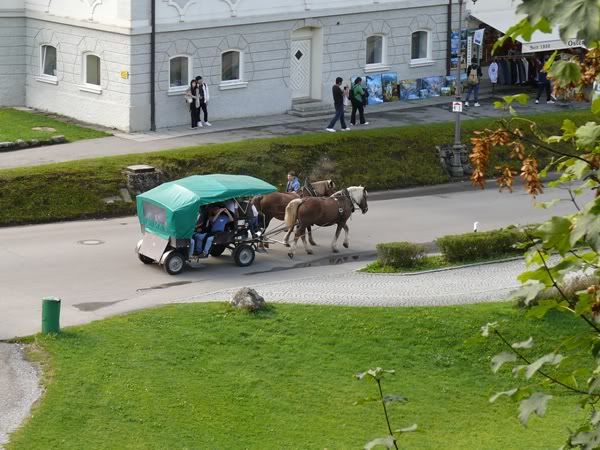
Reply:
x=565, y=72
x=569, y=128
x=521, y=98
x=490, y=326
x=499, y=105
x=542, y=308
x=497, y=395
x=553, y=359
x=596, y=106
x=525, y=344
x=587, y=135
x=528, y=292
x=374, y=374
x=540, y=274
x=556, y=234
x=548, y=204
x=501, y=358
x=536, y=403
x=410, y=429
x=587, y=226
x=578, y=169
x=584, y=303
x=394, y=398
x=387, y=442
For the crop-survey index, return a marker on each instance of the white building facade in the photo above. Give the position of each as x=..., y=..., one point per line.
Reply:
x=92, y=59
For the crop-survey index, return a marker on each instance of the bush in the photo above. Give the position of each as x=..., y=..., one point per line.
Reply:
x=400, y=254
x=477, y=246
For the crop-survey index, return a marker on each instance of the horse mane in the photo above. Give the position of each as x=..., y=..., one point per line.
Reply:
x=320, y=186
x=353, y=190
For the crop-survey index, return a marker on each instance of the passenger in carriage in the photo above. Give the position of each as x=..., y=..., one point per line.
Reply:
x=202, y=240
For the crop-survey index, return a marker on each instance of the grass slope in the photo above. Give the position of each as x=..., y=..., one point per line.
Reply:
x=378, y=158
x=16, y=124
x=203, y=376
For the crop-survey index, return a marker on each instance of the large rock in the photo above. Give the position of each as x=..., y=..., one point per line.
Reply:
x=248, y=299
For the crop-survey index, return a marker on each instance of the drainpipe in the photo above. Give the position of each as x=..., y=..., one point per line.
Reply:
x=152, y=65
x=449, y=40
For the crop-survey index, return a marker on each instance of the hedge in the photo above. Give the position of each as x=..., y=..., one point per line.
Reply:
x=400, y=254
x=379, y=159
x=480, y=245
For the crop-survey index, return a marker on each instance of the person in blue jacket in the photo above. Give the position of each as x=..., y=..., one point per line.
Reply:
x=293, y=184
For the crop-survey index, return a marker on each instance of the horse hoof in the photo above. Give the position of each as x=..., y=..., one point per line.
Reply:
x=346, y=245
x=314, y=244
x=286, y=244
x=291, y=255
x=309, y=252
x=335, y=250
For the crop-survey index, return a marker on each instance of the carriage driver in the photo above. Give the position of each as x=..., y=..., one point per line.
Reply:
x=293, y=184
x=202, y=239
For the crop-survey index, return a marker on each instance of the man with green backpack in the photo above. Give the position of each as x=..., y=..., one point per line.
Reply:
x=357, y=96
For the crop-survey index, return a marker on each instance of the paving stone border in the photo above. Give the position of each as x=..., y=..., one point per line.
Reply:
x=20, y=144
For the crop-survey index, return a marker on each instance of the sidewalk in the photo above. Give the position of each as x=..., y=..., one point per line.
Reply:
x=431, y=110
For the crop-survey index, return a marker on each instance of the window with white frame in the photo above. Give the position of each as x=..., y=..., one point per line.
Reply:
x=91, y=69
x=231, y=66
x=48, y=61
x=375, y=50
x=419, y=49
x=179, y=72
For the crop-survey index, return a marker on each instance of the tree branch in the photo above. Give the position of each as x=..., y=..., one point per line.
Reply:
x=544, y=374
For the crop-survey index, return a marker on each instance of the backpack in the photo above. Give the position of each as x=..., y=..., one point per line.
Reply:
x=365, y=98
x=473, y=79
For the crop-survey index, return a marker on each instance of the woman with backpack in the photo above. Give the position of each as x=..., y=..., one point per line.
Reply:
x=473, y=79
x=356, y=98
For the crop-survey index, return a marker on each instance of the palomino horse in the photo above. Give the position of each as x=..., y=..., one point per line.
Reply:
x=324, y=212
x=273, y=205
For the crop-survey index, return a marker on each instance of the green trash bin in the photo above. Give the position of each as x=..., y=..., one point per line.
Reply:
x=50, y=315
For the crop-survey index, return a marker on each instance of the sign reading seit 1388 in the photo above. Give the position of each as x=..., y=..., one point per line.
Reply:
x=529, y=47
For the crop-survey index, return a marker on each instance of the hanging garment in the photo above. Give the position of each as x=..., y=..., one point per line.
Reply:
x=493, y=72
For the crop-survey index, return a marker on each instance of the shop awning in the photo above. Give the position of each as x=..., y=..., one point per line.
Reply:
x=540, y=42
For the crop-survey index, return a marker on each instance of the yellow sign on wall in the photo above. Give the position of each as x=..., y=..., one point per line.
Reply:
x=124, y=74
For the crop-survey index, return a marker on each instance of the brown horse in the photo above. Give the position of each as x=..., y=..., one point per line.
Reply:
x=273, y=205
x=324, y=212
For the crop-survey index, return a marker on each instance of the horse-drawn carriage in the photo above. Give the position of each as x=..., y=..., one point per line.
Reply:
x=169, y=214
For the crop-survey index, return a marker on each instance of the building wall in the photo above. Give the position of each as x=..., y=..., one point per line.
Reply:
x=68, y=95
x=12, y=61
x=266, y=54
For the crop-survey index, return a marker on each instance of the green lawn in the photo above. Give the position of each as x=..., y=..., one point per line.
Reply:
x=377, y=158
x=18, y=125
x=204, y=376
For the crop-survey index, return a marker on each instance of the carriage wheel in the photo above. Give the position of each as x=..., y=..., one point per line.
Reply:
x=174, y=263
x=243, y=255
x=217, y=250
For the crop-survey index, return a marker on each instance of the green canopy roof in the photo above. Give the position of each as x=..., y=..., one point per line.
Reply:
x=171, y=209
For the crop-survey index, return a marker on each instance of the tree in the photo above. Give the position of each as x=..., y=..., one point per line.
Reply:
x=563, y=246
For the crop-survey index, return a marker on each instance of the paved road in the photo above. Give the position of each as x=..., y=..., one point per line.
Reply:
x=95, y=281
x=19, y=389
x=251, y=128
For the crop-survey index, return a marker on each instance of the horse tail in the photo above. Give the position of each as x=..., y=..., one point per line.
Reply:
x=291, y=213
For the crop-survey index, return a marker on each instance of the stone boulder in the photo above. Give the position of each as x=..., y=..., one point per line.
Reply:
x=248, y=299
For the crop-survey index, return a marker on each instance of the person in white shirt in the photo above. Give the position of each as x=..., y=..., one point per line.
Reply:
x=493, y=74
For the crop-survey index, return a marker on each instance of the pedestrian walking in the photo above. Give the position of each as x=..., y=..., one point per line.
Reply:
x=357, y=98
x=473, y=80
x=192, y=98
x=338, y=102
x=543, y=84
x=203, y=104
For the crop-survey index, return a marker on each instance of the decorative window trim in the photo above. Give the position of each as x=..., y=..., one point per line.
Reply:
x=233, y=84
x=44, y=77
x=383, y=65
x=428, y=59
x=85, y=86
x=47, y=79
x=177, y=90
x=227, y=84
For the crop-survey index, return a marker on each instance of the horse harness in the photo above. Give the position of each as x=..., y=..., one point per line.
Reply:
x=345, y=197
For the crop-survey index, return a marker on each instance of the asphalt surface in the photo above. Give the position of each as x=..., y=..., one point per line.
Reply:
x=19, y=389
